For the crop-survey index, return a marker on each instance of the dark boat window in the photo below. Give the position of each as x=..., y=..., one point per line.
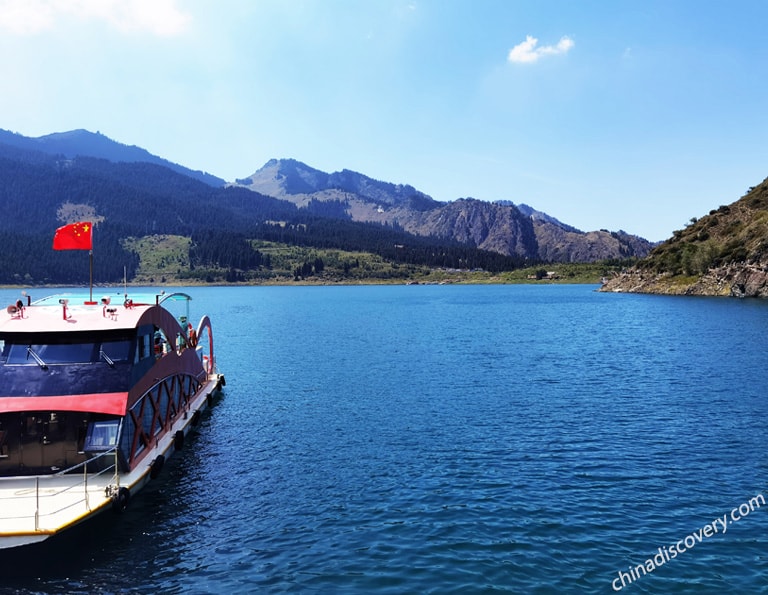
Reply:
x=145, y=345
x=126, y=436
x=118, y=351
x=50, y=350
x=149, y=416
x=51, y=353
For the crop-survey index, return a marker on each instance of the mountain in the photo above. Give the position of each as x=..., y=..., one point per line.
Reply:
x=40, y=192
x=216, y=231
x=88, y=144
x=500, y=227
x=293, y=180
x=539, y=216
x=213, y=231
x=723, y=253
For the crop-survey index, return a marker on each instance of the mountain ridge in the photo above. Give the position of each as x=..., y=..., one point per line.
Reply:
x=81, y=142
x=517, y=231
x=225, y=230
x=499, y=226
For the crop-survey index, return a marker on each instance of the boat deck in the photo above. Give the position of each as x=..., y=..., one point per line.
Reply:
x=36, y=507
x=33, y=508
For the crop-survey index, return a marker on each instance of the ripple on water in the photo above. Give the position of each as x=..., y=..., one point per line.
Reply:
x=456, y=439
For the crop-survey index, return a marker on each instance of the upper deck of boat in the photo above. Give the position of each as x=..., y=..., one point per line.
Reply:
x=73, y=313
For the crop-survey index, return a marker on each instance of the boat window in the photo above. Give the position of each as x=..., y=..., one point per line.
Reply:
x=126, y=437
x=162, y=399
x=145, y=345
x=102, y=435
x=118, y=351
x=130, y=430
x=51, y=353
x=89, y=349
x=149, y=416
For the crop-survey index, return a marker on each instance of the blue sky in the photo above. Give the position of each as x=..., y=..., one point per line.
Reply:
x=633, y=115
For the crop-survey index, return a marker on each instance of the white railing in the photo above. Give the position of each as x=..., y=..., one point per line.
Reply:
x=26, y=498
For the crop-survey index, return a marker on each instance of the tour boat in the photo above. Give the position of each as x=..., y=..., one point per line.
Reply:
x=94, y=397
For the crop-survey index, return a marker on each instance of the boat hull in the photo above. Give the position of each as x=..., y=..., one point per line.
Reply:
x=36, y=508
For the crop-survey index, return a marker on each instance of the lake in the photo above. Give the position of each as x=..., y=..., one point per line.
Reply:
x=452, y=439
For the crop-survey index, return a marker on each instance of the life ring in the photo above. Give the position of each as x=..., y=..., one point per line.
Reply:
x=178, y=440
x=156, y=467
x=120, y=500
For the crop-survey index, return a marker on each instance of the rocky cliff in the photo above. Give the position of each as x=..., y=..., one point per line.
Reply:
x=725, y=253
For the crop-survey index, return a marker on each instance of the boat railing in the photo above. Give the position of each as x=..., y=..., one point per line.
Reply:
x=53, y=494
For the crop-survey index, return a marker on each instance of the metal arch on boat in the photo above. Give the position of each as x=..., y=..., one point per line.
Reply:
x=205, y=324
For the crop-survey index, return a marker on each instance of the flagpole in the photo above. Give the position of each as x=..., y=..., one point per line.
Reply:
x=77, y=236
x=90, y=258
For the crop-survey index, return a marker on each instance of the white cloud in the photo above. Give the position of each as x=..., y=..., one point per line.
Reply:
x=158, y=17
x=528, y=52
x=24, y=17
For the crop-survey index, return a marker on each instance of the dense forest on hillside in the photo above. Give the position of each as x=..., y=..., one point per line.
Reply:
x=30, y=260
x=129, y=200
x=388, y=242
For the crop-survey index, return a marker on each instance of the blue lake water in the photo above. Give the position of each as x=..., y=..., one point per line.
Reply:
x=451, y=439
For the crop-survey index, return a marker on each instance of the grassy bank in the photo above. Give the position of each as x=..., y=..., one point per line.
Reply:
x=165, y=261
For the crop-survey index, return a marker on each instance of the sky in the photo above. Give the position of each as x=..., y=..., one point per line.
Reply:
x=620, y=115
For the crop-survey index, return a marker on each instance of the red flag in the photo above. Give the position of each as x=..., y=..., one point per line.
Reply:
x=76, y=236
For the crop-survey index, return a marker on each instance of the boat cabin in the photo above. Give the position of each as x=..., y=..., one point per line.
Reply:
x=68, y=396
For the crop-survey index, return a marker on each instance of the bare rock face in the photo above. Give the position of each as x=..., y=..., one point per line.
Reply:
x=735, y=280
x=750, y=281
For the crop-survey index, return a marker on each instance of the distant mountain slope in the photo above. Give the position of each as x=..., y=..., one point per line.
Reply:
x=722, y=253
x=539, y=216
x=88, y=144
x=128, y=201
x=500, y=227
x=481, y=224
x=130, y=194
x=295, y=181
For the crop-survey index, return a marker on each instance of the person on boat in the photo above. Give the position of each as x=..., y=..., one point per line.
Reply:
x=181, y=338
x=159, y=344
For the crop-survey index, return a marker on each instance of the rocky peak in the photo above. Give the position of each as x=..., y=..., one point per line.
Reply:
x=500, y=227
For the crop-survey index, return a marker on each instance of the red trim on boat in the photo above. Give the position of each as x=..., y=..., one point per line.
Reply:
x=109, y=403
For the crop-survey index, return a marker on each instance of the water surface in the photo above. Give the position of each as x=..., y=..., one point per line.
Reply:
x=451, y=439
